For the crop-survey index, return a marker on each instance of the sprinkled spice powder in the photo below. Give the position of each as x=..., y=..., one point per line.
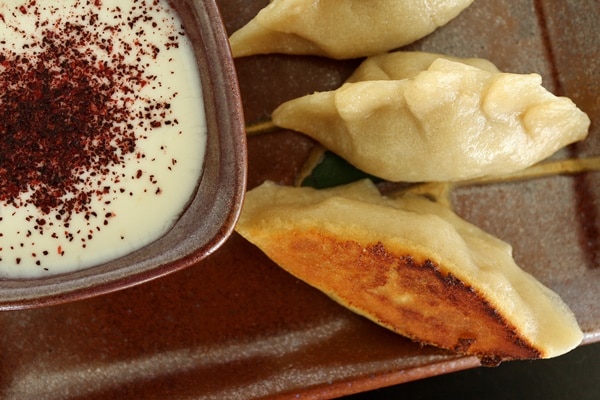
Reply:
x=67, y=108
x=78, y=96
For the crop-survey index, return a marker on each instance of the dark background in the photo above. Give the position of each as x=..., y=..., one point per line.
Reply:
x=572, y=376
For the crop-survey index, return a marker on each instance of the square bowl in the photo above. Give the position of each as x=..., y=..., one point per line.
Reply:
x=211, y=213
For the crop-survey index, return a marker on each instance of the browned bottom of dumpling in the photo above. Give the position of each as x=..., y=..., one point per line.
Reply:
x=405, y=292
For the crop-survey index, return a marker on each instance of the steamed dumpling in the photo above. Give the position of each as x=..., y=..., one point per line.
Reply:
x=449, y=122
x=407, y=64
x=341, y=28
x=412, y=266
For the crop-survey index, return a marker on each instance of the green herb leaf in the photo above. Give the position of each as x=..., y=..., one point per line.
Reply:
x=334, y=171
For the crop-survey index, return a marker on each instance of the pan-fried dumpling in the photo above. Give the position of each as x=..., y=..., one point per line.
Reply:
x=341, y=28
x=450, y=122
x=412, y=266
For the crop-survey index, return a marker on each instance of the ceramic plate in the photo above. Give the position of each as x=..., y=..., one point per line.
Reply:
x=237, y=326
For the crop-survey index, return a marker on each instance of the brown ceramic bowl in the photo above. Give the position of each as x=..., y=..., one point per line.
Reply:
x=210, y=217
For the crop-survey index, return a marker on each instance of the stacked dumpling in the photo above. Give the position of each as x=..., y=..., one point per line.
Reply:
x=425, y=117
x=413, y=266
x=341, y=28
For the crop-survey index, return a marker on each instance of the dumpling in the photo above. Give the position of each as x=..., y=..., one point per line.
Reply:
x=412, y=266
x=341, y=28
x=407, y=64
x=449, y=122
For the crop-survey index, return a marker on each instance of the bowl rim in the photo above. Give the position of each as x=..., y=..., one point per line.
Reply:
x=225, y=131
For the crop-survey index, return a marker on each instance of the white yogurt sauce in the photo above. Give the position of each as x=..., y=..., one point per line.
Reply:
x=157, y=105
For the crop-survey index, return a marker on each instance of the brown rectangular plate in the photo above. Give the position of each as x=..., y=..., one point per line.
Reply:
x=236, y=326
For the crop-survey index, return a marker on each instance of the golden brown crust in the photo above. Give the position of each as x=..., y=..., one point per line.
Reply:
x=412, y=266
x=404, y=292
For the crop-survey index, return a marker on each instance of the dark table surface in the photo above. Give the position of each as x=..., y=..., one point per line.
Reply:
x=575, y=375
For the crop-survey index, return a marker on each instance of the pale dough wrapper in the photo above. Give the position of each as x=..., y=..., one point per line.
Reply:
x=410, y=265
x=407, y=64
x=449, y=122
x=341, y=29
